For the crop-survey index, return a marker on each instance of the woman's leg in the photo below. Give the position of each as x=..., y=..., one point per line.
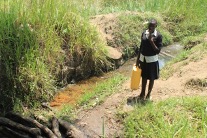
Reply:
x=144, y=83
x=151, y=84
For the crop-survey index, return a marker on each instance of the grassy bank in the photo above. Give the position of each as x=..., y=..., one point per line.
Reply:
x=183, y=17
x=180, y=117
x=37, y=41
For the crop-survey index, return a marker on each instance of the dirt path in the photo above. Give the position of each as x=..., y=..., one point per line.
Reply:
x=91, y=121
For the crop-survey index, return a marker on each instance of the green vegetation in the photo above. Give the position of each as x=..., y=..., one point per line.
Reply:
x=37, y=40
x=175, y=117
x=183, y=17
x=66, y=112
x=102, y=90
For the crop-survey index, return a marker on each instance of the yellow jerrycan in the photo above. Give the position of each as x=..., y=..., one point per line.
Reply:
x=135, y=77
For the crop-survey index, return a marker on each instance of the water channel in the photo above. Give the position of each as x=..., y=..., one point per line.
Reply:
x=70, y=94
x=169, y=52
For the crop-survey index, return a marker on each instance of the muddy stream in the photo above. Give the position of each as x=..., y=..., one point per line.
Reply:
x=71, y=93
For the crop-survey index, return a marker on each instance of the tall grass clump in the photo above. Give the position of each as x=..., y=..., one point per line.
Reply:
x=39, y=40
x=176, y=117
x=184, y=17
x=190, y=18
x=23, y=72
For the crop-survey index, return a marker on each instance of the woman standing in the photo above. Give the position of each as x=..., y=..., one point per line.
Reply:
x=147, y=59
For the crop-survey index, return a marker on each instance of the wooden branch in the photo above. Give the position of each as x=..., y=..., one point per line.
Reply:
x=16, y=125
x=34, y=122
x=17, y=118
x=11, y=124
x=71, y=131
x=55, y=127
x=47, y=131
x=12, y=133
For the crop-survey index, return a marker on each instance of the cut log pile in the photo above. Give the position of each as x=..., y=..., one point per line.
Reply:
x=14, y=125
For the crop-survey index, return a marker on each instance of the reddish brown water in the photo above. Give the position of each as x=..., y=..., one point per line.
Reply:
x=72, y=93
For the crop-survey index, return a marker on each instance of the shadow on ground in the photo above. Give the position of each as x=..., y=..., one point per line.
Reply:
x=136, y=100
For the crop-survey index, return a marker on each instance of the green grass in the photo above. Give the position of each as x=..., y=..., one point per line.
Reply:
x=101, y=91
x=183, y=17
x=175, y=117
x=66, y=112
x=191, y=41
x=33, y=36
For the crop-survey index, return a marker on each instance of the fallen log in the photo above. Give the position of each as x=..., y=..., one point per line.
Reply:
x=71, y=131
x=11, y=124
x=16, y=118
x=13, y=134
x=34, y=122
x=55, y=127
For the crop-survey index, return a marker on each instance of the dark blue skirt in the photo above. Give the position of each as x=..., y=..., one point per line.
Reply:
x=150, y=71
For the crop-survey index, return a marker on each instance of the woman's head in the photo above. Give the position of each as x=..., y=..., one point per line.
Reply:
x=152, y=24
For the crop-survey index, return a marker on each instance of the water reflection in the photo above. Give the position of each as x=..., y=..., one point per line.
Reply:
x=163, y=61
x=169, y=52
